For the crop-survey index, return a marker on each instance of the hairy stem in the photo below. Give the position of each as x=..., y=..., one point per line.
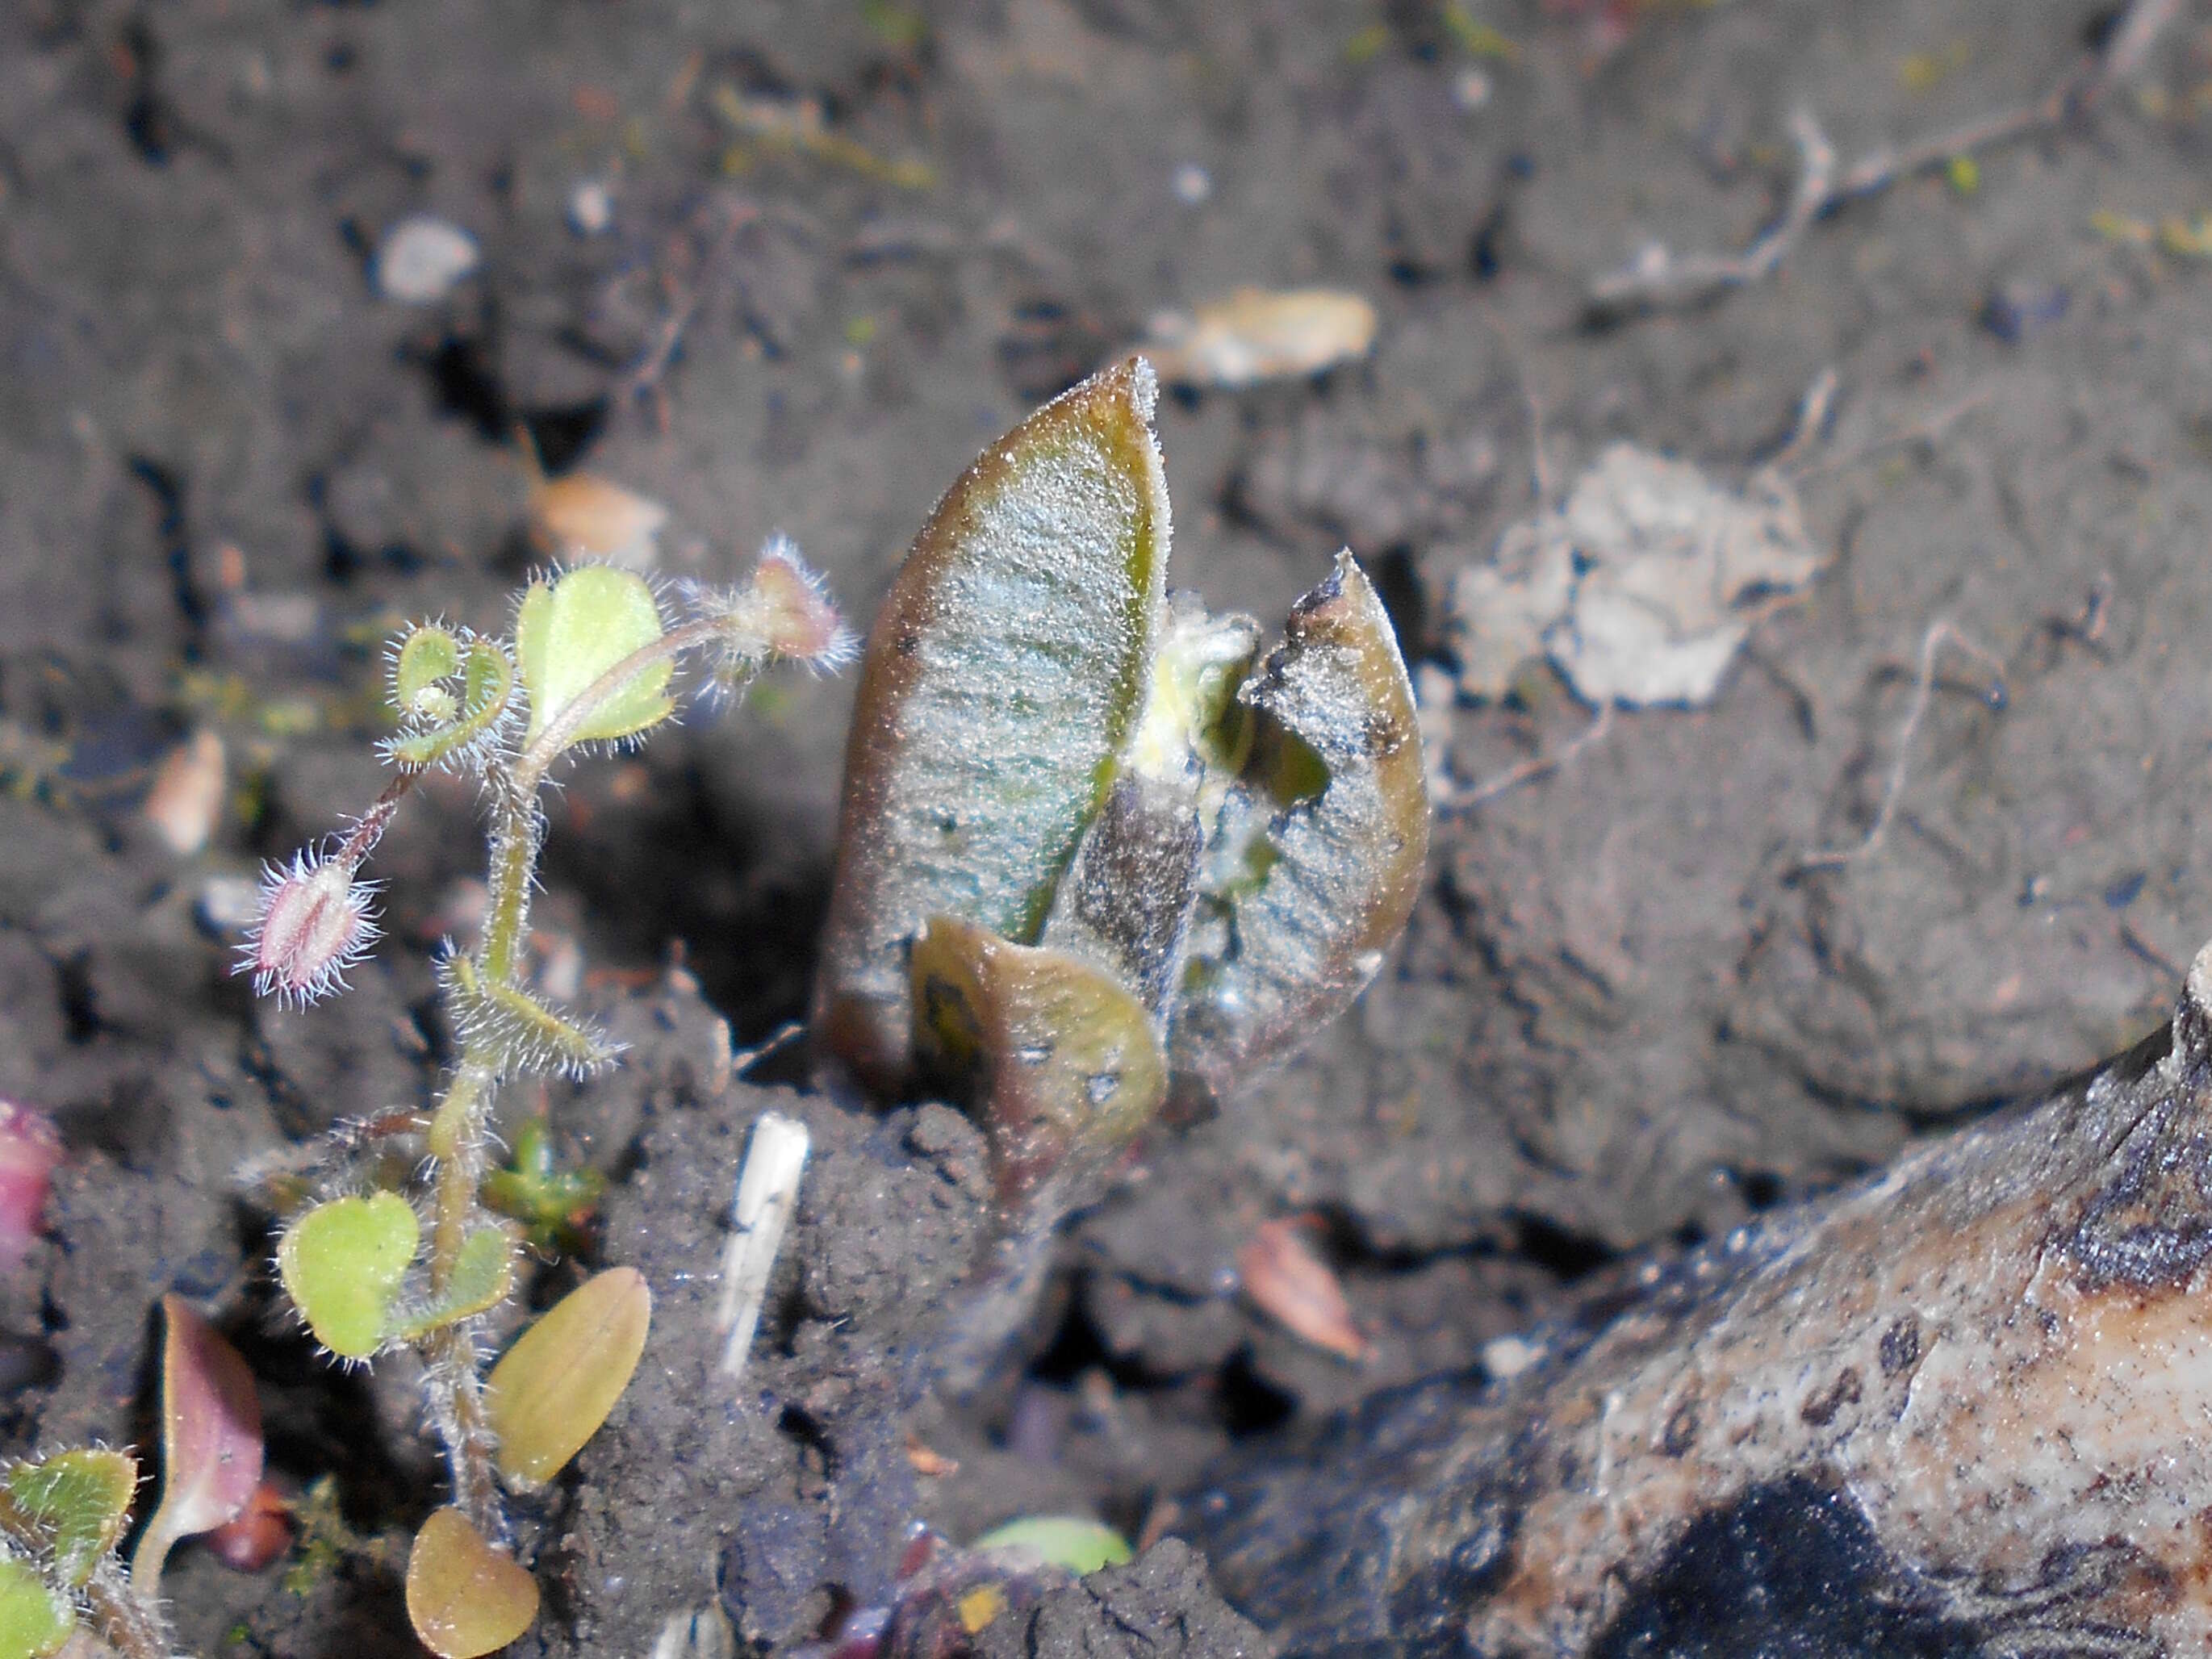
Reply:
x=133, y=1627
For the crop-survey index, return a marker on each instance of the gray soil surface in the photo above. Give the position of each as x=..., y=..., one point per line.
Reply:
x=1630, y=1009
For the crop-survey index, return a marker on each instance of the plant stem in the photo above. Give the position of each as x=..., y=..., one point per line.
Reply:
x=460, y=1125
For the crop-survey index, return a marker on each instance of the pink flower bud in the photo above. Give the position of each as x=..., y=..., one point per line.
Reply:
x=798, y=621
x=30, y=1147
x=314, y=925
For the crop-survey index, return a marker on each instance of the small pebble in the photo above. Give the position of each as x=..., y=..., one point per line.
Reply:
x=228, y=904
x=2016, y=309
x=1192, y=184
x=421, y=258
x=591, y=208
x=1471, y=90
x=186, y=798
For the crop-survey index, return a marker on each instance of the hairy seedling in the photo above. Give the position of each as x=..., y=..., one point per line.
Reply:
x=401, y=1242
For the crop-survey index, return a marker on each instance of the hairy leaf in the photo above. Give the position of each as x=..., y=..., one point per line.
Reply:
x=1065, y=1063
x=1006, y=670
x=82, y=1498
x=1316, y=859
x=572, y=630
x=341, y=1263
x=34, y=1620
x=463, y=1597
x=483, y=1275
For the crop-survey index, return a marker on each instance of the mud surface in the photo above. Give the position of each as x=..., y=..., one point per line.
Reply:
x=1634, y=1007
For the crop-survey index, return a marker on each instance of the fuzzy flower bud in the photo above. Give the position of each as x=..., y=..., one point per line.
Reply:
x=784, y=613
x=314, y=924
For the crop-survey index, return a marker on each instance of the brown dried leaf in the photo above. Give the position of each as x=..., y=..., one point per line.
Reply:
x=1294, y=1287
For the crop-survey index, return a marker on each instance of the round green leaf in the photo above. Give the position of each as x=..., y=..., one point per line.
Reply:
x=572, y=630
x=34, y=1621
x=341, y=1263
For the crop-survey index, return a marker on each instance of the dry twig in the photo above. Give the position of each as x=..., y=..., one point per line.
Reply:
x=1924, y=690
x=1658, y=279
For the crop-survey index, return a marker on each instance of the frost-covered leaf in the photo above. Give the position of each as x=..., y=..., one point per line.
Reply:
x=210, y=1438
x=572, y=629
x=341, y=1263
x=1317, y=858
x=551, y=1390
x=1003, y=676
x=1064, y=1062
x=463, y=1597
x=35, y=1621
x=82, y=1498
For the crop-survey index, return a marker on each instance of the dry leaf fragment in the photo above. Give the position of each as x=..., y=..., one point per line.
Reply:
x=580, y=515
x=1293, y=1286
x=210, y=1439
x=186, y=798
x=1261, y=334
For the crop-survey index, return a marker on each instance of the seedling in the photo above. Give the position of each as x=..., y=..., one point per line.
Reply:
x=1097, y=853
x=394, y=1252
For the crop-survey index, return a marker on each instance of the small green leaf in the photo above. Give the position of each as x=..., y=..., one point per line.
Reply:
x=81, y=1498
x=1007, y=668
x=446, y=721
x=1064, y=1062
x=571, y=631
x=426, y=656
x=34, y=1620
x=1059, y=1540
x=463, y=1597
x=514, y=1030
x=483, y=1275
x=551, y=1390
x=341, y=1263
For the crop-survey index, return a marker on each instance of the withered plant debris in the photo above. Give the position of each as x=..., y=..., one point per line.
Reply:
x=1641, y=588
x=1955, y=1408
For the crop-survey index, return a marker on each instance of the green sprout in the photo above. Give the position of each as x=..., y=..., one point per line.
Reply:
x=390, y=1254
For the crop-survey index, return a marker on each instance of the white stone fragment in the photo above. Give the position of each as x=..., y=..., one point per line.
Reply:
x=768, y=1193
x=591, y=208
x=1504, y=1357
x=421, y=258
